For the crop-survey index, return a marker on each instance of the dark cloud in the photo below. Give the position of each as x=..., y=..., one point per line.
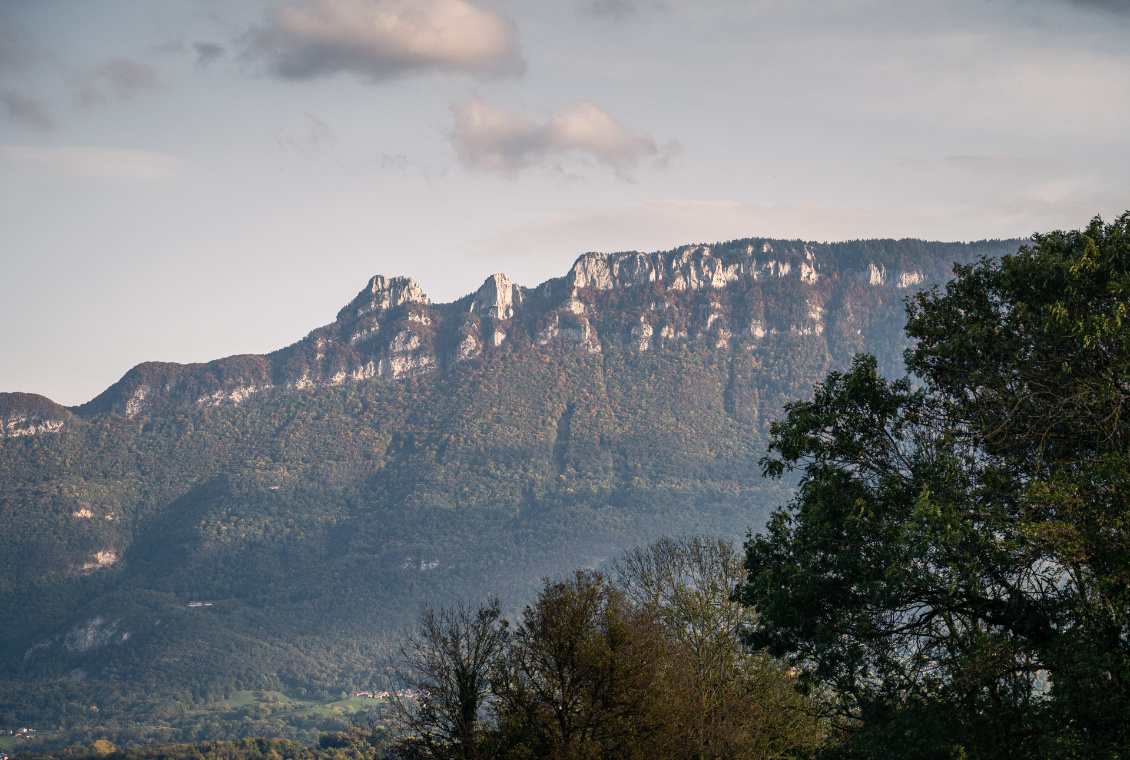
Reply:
x=1121, y=7
x=27, y=111
x=207, y=52
x=488, y=137
x=16, y=53
x=118, y=78
x=383, y=38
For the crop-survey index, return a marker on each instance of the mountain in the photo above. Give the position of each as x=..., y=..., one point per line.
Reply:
x=196, y=532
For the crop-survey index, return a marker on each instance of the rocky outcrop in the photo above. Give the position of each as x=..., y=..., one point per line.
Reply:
x=382, y=294
x=93, y=634
x=97, y=561
x=736, y=296
x=408, y=353
x=497, y=298
x=30, y=414
x=697, y=268
x=910, y=279
x=877, y=275
x=692, y=268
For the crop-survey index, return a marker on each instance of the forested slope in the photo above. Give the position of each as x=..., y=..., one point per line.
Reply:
x=311, y=499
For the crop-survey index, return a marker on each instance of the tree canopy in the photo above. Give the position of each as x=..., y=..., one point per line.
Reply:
x=955, y=566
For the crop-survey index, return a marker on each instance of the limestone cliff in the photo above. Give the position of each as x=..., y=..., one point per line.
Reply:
x=732, y=296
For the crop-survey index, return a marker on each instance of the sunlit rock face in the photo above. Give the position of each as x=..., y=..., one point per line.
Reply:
x=469, y=345
x=692, y=269
x=742, y=296
x=382, y=294
x=498, y=298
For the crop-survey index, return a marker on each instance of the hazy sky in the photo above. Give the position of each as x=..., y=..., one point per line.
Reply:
x=187, y=179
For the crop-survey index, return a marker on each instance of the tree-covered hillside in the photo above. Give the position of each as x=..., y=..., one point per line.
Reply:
x=271, y=523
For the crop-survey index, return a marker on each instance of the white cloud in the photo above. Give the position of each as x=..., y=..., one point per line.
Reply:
x=488, y=137
x=89, y=161
x=383, y=38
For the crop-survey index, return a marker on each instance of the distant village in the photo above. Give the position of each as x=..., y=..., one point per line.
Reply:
x=406, y=694
x=19, y=733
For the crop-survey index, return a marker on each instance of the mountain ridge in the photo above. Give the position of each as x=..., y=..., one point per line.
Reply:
x=392, y=329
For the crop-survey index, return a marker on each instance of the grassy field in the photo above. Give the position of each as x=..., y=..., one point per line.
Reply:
x=278, y=705
x=10, y=745
x=247, y=713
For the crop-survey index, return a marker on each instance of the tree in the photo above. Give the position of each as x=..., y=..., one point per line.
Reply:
x=721, y=700
x=446, y=670
x=582, y=674
x=956, y=564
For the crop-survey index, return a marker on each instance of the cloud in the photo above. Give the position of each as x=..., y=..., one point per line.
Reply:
x=308, y=140
x=385, y=38
x=1023, y=166
x=487, y=137
x=16, y=51
x=119, y=78
x=171, y=46
x=89, y=161
x=27, y=111
x=207, y=52
x=1121, y=7
x=615, y=8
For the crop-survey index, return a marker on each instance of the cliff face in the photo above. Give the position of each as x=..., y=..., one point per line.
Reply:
x=734, y=296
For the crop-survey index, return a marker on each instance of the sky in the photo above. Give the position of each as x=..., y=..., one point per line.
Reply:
x=190, y=179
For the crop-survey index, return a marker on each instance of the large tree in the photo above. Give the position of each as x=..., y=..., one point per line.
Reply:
x=955, y=566
x=720, y=701
x=583, y=675
x=441, y=689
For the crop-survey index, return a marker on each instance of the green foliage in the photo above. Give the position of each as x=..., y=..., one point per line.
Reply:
x=650, y=665
x=954, y=567
x=314, y=524
x=581, y=678
x=719, y=699
x=347, y=745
